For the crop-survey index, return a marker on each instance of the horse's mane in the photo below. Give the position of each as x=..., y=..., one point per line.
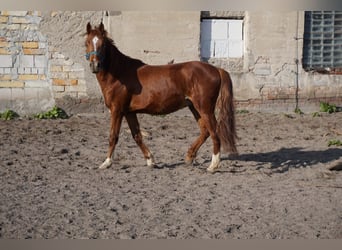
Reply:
x=114, y=61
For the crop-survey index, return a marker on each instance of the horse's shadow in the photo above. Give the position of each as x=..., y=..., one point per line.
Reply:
x=285, y=158
x=279, y=161
x=169, y=166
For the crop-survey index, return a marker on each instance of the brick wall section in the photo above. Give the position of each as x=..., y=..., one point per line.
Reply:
x=67, y=76
x=32, y=72
x=24, y=84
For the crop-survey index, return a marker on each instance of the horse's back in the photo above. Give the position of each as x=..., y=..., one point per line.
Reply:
x=183, y=73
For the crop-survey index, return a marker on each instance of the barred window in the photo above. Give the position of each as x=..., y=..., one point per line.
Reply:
x=322, y=49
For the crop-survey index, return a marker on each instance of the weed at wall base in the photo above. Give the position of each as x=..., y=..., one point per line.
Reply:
x=54, y=113
x=8, y=115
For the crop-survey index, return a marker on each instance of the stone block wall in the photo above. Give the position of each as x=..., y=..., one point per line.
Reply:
x=67, y=76
x=24, y=83
x=34, y=73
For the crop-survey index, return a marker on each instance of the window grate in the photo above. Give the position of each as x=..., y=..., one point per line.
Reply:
x=323, y=41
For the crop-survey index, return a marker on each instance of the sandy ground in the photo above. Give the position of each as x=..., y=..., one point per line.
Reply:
x=278, y=187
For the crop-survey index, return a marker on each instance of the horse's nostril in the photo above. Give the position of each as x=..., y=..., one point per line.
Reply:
x=94, y=67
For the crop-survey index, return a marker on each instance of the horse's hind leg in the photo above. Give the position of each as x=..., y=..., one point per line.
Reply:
x=204, y=134
x=133, y=124
x=211, y=124
x=207, y=122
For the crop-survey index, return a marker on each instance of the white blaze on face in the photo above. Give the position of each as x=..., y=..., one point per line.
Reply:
x=95, y=39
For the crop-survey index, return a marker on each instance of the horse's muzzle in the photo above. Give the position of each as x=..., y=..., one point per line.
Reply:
x=94, y=66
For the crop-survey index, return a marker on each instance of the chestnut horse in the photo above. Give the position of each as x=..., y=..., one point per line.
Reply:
x=130, y=86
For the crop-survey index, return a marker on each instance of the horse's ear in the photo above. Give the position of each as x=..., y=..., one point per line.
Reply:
x=102, y=29
x=88, y=28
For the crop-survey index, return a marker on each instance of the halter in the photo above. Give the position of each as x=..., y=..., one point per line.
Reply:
x=92, y=53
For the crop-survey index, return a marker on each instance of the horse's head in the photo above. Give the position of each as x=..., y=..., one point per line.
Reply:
x=94, y=42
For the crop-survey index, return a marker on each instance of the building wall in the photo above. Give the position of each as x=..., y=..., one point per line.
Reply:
x=156, y=37
x=270, y=76
x=42, y=56
x=42, y=53
x=40, y=59
x=24, y=56
x=69, y=71
x=271, y=52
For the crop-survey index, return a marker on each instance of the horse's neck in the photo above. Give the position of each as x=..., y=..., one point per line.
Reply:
x=119, y=62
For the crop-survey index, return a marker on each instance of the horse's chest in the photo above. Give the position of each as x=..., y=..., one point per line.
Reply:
x=115, y=96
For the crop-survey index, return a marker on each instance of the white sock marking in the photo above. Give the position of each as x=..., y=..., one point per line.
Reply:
x=150, y=161
x=215, y=161
x=106, y=163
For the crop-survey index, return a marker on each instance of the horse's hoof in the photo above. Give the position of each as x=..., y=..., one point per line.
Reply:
x=106, y=164
x=211, y=170
x=188, y=161
x=150, y=162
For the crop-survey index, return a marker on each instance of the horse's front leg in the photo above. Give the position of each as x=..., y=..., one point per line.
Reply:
x=116, y=119
x=133, y=124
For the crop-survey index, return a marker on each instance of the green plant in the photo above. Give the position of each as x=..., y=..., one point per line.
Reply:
x=8, y=115
x=326, y=107
x=54, y=113
x=334, y=143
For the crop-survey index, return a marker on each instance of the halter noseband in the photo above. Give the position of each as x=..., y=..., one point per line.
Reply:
x=92, y=53
x=98, y=54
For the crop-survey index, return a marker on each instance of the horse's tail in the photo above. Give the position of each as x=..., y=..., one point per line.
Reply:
x=226, y=114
